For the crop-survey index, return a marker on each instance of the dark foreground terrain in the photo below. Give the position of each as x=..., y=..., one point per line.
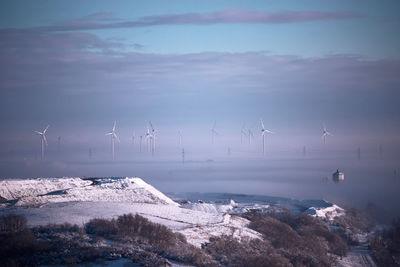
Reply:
x=287, y=240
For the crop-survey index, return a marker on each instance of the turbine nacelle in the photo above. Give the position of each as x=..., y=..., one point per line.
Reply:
x=325, y=133
x=43, y=134
x=263, y=130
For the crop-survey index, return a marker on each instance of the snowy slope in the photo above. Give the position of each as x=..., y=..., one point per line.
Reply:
x=327, y=213
x=12, y=189
x=77, y=201
x=37, y=192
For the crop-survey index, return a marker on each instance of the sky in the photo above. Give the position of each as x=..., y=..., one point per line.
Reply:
x=186, y=64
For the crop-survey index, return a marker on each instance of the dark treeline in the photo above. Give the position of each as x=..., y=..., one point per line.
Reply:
x=287, y=240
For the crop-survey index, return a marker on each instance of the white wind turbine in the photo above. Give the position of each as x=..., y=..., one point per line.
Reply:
x=180, y=138
x=213, y=132
x=113, y=138
x=325, y=133
x=153, y=137
x=243, y=132
x=133, y=138
x=147, y=138
x=250, y=135
x=263, y=132
x=43, y=139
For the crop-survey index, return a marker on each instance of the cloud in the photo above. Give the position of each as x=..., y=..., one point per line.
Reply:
x=43, y=60
x=230, y=16
x=77, y=76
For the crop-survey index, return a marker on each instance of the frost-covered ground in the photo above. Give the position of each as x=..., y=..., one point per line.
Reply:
x=359, y=256
x=76, y=201
x=197, y=216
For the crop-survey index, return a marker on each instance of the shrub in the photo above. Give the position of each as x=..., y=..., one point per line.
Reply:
x=385, y=246
x=12, y=223
x=230, y=252
x=101, y=227
x=280, y=235
x=16, y=241
x=303, y=239
x=136, y=226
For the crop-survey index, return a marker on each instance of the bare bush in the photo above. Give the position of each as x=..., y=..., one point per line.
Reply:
x=101, y=227
x=303, y=239
x=12, y=223
x=230, y=252
x=385, y=246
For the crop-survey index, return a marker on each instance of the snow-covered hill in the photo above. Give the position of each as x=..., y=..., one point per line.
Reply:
x=37, y=192
x=75, y=200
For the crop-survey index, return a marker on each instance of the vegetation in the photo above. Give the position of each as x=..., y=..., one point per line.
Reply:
x=385, y=245
x=303, y=240
x=287, y=241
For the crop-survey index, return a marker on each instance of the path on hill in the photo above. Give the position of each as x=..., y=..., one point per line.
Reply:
x=358, y=256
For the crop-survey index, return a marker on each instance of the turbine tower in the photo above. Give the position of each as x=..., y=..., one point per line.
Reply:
x=243, y=132
x=114, y=137
x=263, y=132
x=325, y=133
x=133, y=138
x=147, y=137
x=152, y=138
x=250, y=135
x=213, y=132
x=180, y=138
x=43, y=139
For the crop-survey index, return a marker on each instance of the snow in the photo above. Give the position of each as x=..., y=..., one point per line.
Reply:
x=74, y=200
x=208, y=207
x=359, y=256
x=230, y=225
x=327, y=213
x=12, y=189
x=154, y=191
x=38, y=192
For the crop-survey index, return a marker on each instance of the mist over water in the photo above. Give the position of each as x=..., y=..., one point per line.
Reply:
x=369, y=180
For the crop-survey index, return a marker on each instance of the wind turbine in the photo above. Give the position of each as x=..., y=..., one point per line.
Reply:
x=153, y=138
x=133, y=138
x=43, y=139
x=325, y=133
x=243, y=132
x=250, y=135
x=59, y=144
x=213, y=132
x=147, y=137
x=180, y=138
x=263, y=132
x=113, y=138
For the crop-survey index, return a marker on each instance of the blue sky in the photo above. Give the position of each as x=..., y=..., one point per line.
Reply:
x=373, y=34
x=186, y=64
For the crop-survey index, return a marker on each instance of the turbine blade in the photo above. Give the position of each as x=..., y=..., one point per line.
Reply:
x=262, y=124
x=110, y=133
x=45, y=130
x=116, y=137
x=151, y=125
x=39, y=133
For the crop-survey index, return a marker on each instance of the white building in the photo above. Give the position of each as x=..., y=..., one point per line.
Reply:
x=338, y=176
